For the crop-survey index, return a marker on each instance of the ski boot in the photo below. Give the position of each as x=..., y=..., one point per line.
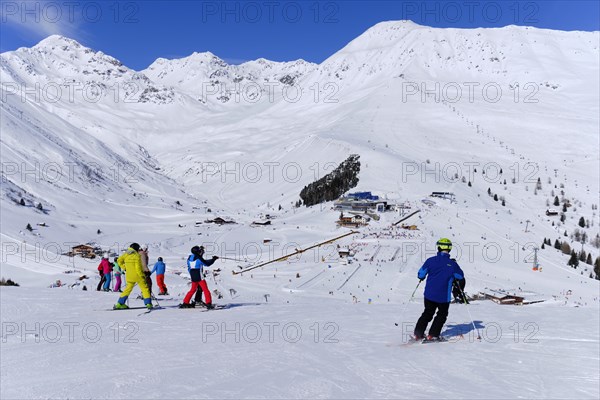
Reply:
x=433, y=339
x=187, y=305
x=149, y=306
x=120, y=306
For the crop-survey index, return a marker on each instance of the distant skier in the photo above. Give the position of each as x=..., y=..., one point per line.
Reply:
x=196, y=262
x=131, y=263
x=107, y=266
x=160, y=268
x=117, y=271
x=101, y=269
x=440, y=271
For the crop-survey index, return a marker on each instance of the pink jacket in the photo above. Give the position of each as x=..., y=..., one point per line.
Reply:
x=106, y=267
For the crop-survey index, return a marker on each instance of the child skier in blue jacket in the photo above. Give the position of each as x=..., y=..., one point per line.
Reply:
x=196, y=262
x=160, y=268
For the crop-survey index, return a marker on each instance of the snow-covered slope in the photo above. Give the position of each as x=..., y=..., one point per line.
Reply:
x=511, y=112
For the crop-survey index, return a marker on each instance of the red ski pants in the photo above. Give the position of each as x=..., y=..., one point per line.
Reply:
x=205, y=291
x=160, y=282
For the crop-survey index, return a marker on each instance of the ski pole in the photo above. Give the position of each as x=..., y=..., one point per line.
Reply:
x=470, y=316
x=409, y=300
x=232, y=259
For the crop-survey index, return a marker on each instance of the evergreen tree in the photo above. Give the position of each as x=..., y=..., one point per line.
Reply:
x=29, y=228
x=490, y=191
x=597, y=268
x=495, y=197
x=556, y=201
x=543, y=245
x=22, y=202
x=588, y=260
x=573, y=261
x=99, y=232
x=469, y=184
x=582, y=222
x=503, y=202
x=557, y=244
x=582, y=256
x=563, y=217
x=564, y=207
x=40, y=207
x=334, y=184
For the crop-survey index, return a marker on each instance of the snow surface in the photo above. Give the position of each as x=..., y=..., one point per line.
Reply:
x=120, y=163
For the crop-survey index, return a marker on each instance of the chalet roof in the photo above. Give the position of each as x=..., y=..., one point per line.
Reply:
x=83, y=246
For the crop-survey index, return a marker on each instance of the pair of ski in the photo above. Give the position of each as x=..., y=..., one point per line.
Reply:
x=414, y=340
x=203, y=307
x=148, y=310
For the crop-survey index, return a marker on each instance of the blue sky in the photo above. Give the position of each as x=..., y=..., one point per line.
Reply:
x=138, y=32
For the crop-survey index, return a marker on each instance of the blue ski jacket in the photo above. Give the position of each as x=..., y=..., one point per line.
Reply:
x=159, y=268
x=195, y=266
x=440, y=271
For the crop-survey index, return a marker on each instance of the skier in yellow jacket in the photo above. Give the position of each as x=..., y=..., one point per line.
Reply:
x=131, y=263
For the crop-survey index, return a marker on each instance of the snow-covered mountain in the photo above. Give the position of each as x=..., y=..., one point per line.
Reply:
x=204, y=76
x=506, y=119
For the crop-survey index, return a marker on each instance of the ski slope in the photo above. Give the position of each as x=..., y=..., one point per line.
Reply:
x=307, y=348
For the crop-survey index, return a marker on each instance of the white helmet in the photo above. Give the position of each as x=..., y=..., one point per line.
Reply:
x=144, y=246
x=105, y=255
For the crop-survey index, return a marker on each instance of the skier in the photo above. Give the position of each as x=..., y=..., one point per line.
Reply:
x=441, y=271
x=195, y=264
x=199, y=290
x=131, y=264
x=101, y=269
x=117, y=271
x=107, y=273
x=160, y=268
x=144, y=257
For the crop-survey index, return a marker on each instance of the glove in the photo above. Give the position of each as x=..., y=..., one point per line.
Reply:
x=147, y=274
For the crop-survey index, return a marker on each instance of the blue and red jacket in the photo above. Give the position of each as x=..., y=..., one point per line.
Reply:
x=196, y=264
x=440, y=271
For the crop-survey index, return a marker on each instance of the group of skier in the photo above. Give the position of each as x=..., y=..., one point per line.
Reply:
x=134, y=264
x=444, y=278
x=107, y=269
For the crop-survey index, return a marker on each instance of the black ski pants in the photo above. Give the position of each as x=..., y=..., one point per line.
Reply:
x=427, y=316
x=102, y=280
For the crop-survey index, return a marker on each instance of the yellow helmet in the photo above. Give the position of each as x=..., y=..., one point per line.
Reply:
x=444, y=244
